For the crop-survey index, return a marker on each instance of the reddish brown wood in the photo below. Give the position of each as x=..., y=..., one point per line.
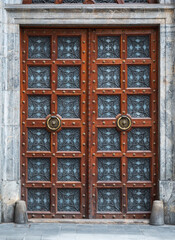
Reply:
x=87, y=1
x=89, y=121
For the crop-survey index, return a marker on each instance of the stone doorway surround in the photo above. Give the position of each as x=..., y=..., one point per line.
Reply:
x=13, y=15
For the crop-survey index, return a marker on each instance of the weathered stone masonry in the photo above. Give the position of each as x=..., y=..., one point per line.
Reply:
x=13, y=14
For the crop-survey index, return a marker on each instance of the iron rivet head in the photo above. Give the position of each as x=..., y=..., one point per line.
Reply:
x=53, y=174
x=104, y=216
x=93, y=164
x=144, y=61
x=93, y=112
x=44, y=154
x=133, y=61
x=43, y=216
x=53, y=164
x=134, y=122
x=134, y=216
x=23, y=195
x=93, y=51
x=83, y=51
x=124, y=164
x=124, y=154
x=124, y=216
x=73, y=216
x=93, y=91
x=84, y=62
x=84, y=216
x=144, y=154
x=93, y=154
x=73, y=185
x=84, y=144
x=63, y=185
x=104, y=184
x=53, y=206
x=33, y=216
x=43, y=91
x=103, y=61
x=83, y=164
x=44, y=61
x=123, y=61
x=84, y=195
x=83, y=81
x=23, y=154
x=63, y=61
x=133, y=91
x=123, y=51
x=113, y=122
x=134, y=154
x=103, y=154
x=113, y=154
x=144, y=184
x=43, y=184
x=84, y=185
x=93, y=174
x=144, y=122
x=93, y=195
x=53, y=184
x=113, y=184
x=84, y=175
x=84, y=154
x=134, y=184
x=103, y=123
x=53, y=154
x=93, y=185
x=73, y=154
x=93, y=61
x=73, y=123
x=54, y=62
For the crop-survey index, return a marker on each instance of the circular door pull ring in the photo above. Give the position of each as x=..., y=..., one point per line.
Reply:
x=53, y=123
x=123, y=122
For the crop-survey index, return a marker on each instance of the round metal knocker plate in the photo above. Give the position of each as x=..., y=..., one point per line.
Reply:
x=123, y=122
x=53, y=123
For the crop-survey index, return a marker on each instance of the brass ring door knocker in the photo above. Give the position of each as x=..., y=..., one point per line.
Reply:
x=123, y=122
x=53, y=123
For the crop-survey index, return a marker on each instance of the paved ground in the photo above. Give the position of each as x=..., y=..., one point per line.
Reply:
x=70, y=231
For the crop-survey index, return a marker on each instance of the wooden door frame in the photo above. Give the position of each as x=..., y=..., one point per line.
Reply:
x=90, y=191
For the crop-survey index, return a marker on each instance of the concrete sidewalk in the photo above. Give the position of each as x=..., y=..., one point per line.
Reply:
x=71, y=231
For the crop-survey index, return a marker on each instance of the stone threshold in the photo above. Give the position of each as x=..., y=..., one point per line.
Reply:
x=91, y=221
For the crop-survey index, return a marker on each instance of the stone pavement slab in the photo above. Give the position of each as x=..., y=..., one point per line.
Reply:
x=71, y=231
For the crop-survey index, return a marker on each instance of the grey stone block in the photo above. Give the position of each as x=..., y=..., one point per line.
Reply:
x=21, y=212
x=170, y=209
x=157, y=214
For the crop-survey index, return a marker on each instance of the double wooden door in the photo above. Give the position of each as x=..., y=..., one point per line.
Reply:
x=89, y=122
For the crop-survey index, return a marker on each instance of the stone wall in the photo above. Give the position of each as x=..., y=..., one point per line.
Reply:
x=12, y=16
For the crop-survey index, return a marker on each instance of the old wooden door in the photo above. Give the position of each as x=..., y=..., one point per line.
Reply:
x=89, y=122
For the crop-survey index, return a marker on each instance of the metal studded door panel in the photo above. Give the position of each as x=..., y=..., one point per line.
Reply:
x=123, y=81
x=53, y=83
x=91, y=83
